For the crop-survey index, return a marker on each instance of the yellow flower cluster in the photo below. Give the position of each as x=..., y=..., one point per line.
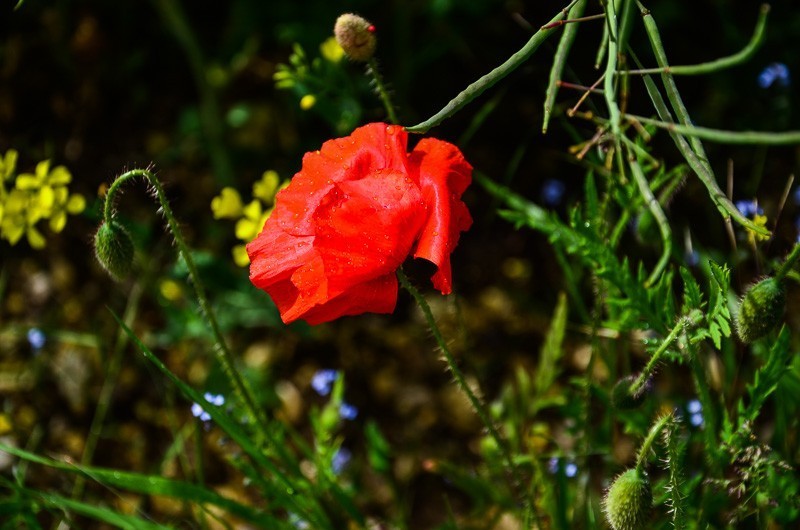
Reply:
x=753, y=237
x=31, y=198
x=250, y=218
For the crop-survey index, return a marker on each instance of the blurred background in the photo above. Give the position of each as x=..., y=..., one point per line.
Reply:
x=189, y=87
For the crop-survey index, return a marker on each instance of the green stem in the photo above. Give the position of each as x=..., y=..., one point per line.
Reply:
x=787, y=265
x=658, y=214
x=560, y=59
x=458, y=375
x=692, y=319
x=609, y=88
x=655, y=430
x=223, y=353
x=724, y=137
x=487, y=81
x=107, y=390
x=719, y=64
x=372, y=70
x=700, y=166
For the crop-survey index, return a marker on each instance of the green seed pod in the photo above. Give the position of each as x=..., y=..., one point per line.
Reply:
x=629, y=500
x=114, y=249
x=761, y=309
x=356, y=36
x=623, y=399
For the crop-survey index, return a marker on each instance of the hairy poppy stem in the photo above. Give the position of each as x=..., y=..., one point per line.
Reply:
x=461, y=381
x=692, y=319
x=372, y=70
x=655, y=430
x=223, y=353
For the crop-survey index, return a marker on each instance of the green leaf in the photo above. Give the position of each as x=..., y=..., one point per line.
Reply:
x=150, y=485
x=551, y=351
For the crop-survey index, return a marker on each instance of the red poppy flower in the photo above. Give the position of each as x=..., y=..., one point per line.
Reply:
x=356, y=210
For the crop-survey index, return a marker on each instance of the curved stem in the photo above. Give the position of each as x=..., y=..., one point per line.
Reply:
x=693, y=318
x=655, y=430
x=372, y=70
x=458, y=375
x=223, y=353
x=487, y=81
x=724, y=62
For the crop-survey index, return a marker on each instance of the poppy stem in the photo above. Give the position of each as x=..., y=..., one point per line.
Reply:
x=372, y=70
x=223, y=353
x=655, y=430
x=461, y=381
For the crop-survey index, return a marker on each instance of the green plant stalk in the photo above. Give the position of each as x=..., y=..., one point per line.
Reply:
x=461, y=381
x=669, y=82
x=700, y=167
x=724, y=62
x=655, y=430
x=560, y=59
x=372, y=70
x=658, y=214
x=788, y=264
x=107, y=390
x=609, y=87
x=693, y=318
x=722, y=136
x=223, y=353
x=487, y=81
x=213, y=127
x=601, y=49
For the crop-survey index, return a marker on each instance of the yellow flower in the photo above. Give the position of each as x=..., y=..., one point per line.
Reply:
x=249, y=226
x=8, y=164
x=240, y=256
x=753, y=237
x=308, y=101
x=266, y=188
x=331, y=50
x=227, y=205
x=44, y=186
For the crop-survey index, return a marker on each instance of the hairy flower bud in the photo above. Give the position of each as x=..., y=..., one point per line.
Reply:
x=761, y=309
x=622, y=398
x=356, y=36
x=629, y=500
x=114, y=249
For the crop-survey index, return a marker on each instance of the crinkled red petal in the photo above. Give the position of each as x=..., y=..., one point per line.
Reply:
x=444, y=174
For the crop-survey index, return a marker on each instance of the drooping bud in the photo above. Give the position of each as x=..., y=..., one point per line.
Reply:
x=629, y=500
x=623, y=397
x=761, y=309
x=356, y=36
x=114, y=249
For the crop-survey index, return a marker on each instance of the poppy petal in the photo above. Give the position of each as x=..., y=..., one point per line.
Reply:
x=444, y=174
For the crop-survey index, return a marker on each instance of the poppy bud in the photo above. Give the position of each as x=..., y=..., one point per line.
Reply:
x=356, y=36
x=761, y=309
x=621, y=396
x=114, y=249
x=629, y=500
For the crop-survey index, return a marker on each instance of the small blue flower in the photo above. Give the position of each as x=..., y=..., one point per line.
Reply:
x=553, y=192
x=36, y=339
x=341, y=458
x=215, y=399
x=323, y=380
x=749, y=208
x=696, y=419
x=774, y=74
x=571, y=469
x=299, y=523
x=348, y=411
x=694, y=406
x=692, y=258
x=198, y=412
x=552, y=465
